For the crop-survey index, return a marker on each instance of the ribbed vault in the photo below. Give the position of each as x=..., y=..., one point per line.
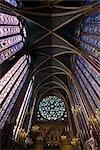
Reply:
x=50, y=52
x=52, y=80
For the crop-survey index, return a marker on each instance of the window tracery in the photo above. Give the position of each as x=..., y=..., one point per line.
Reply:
x=12, y=35
x=9, y=79
x=89, y=40
x=12, y=2
x=6, y=19
x=51, y=108
x=23, y=110
x=11, y=85
x=89, y=80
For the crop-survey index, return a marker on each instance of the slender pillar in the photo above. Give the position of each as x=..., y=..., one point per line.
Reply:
x=30, y=121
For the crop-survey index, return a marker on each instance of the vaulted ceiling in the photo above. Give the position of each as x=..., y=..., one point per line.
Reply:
x=52, y=43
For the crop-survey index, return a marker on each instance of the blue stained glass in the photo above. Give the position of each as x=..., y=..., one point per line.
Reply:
x=90, y=69
x=93, y=29
x=93, y=18
x=12, y=2
x=89, y=80
x=90, y=49
x=89, y=1
x=89, y=38
x=95, y=41
x=90, y=90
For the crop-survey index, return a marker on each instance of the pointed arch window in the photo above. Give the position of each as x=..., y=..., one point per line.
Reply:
x=9, y=79
x=83, y=112
x=51, y=108
x=24, y=109
x=89, y=80
x=11, y=85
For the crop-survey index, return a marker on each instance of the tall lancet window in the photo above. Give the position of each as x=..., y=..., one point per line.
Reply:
x=11, y=85
x=23, y=110
x=12, y=35
x=80, y=109
x=89, y=80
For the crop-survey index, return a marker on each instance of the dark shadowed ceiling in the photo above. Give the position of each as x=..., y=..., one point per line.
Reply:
x=52, y=43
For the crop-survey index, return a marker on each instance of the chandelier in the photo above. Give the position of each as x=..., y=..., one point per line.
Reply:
x=22, y=134
x=76, y=109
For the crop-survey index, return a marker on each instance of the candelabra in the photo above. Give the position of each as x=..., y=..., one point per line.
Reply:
x=92, y=120
x=22, y=134
x=74, y=141
x=63, y=137
x=76, y=109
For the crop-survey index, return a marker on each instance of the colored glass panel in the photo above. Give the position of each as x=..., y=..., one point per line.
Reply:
x=52, y=108
x=12, y=2
x=89, y=40
x=12, y=36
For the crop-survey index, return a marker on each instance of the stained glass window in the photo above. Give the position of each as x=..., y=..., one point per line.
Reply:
x=51, y=108
x=12, y=2
x=89, y=1
x=89, y=80
x=10, y=87
x=12, y=36
x=79, y=101
x=23, y=110
x=89, y=40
